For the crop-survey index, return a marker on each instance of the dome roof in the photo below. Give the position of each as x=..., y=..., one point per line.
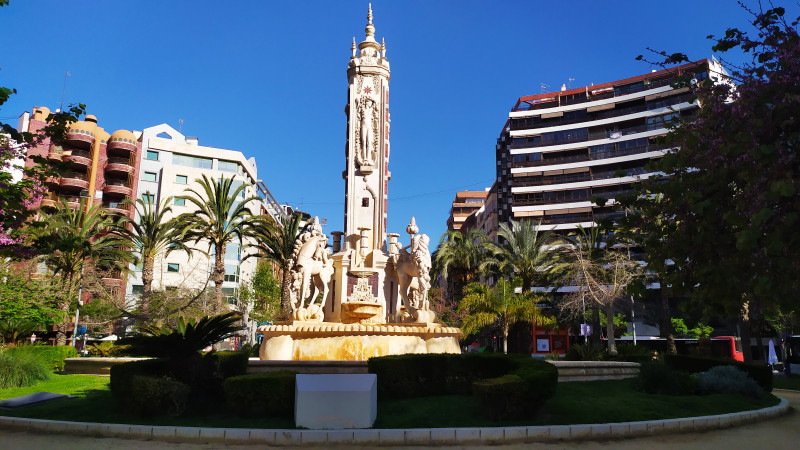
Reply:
x=124, y=136
x=83, y=128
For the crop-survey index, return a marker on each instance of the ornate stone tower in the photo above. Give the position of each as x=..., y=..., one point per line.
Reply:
x=367, y=145
x=360, y=252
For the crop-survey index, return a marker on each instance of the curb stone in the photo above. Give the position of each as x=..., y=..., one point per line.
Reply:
x=393, y=437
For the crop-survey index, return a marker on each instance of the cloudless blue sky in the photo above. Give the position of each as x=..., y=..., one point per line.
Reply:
x=269, y=78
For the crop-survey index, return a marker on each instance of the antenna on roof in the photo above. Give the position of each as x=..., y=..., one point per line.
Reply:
x=543, y=87
x=63, y=90
x=569, y=80
x=180, y=125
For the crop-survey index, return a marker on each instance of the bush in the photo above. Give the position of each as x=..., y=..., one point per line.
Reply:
x=52, y=356
x=634, y=353
x=403, y=376
x=232, y=364
x=589, y=351
x=122, y=378
x=502, y=397
x=152, y=396
x=728, y=380
x=760, y=372
x=270, y=393
x=655, y=377
x=20, y=369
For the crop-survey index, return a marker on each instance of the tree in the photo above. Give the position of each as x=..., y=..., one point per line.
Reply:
x=601, y=274
x=525, y=252
x=458, y=258
x=73, y=240
x=151, y=235
x=222, y=217
x=731, y=190
x=446, y=309
x=259, y=299
x=275, y=242
x=498, y=305
x=26, y=298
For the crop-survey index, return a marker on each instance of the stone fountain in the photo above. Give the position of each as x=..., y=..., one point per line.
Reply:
x=369, y=297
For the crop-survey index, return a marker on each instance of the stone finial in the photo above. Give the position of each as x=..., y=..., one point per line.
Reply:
x=383, y=48
x=353, y=48
x=370, y=29
x=412, y=227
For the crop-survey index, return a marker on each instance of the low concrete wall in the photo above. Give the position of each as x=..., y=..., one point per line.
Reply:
x=94, y=365
x=595, y=370
x=312, y=367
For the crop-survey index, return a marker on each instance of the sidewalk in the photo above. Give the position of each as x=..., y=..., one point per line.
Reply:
x=775, y=434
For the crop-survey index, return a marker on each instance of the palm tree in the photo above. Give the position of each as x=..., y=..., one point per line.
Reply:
x=222, y=217
x=525, y=252
x=500, y=306
x=275, y=242
x=151, y=235
x=71, y=239
x=458, y=258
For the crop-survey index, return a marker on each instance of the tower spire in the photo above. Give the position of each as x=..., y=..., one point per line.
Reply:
x=370, y=29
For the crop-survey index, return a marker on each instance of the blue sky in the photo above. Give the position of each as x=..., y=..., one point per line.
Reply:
x=269, y=78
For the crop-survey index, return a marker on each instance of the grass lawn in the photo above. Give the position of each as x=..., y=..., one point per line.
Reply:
x=578, y=402
x=791, y=382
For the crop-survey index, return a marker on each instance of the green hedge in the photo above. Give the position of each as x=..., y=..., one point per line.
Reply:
x=122, y=378
x=270, y=393
x=508, y=386
x=402, y=376
x=152, y=396
x=52, y=356
x=20, y=369
x=759, y=372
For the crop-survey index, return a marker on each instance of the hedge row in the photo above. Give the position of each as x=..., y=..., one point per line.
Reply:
x=760, y=372
x=508, y=386
x=52, y=356
x=270, y=393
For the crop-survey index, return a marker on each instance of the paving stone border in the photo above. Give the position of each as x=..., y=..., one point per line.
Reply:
x=392, y=437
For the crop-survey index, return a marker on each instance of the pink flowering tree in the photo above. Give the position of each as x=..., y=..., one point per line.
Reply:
x=726, y=213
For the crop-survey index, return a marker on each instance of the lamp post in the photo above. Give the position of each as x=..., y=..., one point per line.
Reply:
x=78, y=308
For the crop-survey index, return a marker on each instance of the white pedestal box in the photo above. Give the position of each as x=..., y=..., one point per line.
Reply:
x=336, y=401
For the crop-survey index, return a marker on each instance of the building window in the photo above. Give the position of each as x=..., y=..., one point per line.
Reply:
x=137, y=289
x=149, y=198
x=233, y=251
x=180, y=201
x=152, y=155
x=192, y=161
x=181, y=179
x=228, y=166
x=150, y=176
x=173, y=267
x=230, y=295
x=232, y=272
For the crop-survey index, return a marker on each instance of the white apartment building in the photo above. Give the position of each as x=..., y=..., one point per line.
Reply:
x=170, y=164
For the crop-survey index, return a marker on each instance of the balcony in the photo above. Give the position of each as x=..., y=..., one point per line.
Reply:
x=72, y=201
x=120, y=165
x=48, y=203
x=117, y=208
x=75, y=180
x=121, y=143
x=118, y=187
x=82, y=138
x=79, y=158
x=54, y=155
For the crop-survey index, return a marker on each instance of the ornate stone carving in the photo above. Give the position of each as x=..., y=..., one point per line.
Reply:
x=362, y=292
x=312, y=271
x=413, y=274
x=367, y=107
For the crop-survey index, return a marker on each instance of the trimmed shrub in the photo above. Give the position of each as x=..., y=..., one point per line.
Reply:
x=122, y=378
x=655, y=377
x=588, y=351
x=232, y=364
x=52, y=356
x=634, y=353
x=20, y=369
x=153, y=396
x=402, y=376
x=502, y=397
x=270, y=393
x=760, y=372
x=728, y=380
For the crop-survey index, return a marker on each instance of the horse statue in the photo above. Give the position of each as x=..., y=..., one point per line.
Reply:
x=312, y=273
x=412, y=269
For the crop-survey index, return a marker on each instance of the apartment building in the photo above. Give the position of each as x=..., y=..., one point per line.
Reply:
x=171, y=164
x=561, y=151
x=464, y=205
